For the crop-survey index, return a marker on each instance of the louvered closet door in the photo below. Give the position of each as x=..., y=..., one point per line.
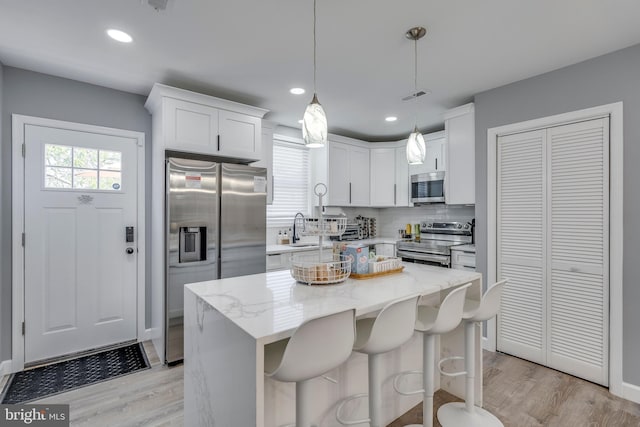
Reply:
x=521, y=249
x=578, y=271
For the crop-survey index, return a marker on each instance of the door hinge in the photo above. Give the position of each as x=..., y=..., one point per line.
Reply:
x=22, y=328
x=24, y=149
x=22, y=239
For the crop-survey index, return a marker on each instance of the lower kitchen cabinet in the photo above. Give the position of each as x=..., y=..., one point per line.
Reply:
x=463, y=259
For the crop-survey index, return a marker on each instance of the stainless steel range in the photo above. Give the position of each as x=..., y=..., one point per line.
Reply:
x=433, y=245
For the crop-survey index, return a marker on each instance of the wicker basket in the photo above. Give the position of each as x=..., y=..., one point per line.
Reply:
x=311, y=270
x=382, y=264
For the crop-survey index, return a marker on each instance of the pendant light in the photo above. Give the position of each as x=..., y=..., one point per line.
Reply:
x=314, y=121
x=416, y=150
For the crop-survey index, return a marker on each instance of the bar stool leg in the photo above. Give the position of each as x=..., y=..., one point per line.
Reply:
x=375, y=390
x=428, y=380
x=467, y=414
x=303, y=403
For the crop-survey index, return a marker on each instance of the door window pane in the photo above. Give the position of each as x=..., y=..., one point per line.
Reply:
x=110, y=180
x=85, y=178
x=58, y=177
x=85, y=158
x=57, y=155
x=110, y=160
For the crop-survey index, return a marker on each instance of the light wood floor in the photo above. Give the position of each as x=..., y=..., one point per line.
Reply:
x=520, y=393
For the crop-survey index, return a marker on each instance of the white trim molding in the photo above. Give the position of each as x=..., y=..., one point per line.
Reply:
x=18, y=123
x=631, y=392
x=616, y=158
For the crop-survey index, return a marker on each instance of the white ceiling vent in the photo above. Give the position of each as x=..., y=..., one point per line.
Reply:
x=419, y=93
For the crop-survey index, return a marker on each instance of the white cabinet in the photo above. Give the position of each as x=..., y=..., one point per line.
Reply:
x=460, y=179
x=463, y=259
x=267, y=157
x=282, y=261
x=348, y=175
x=389, y=177
x=202, y=124
x=436, y=154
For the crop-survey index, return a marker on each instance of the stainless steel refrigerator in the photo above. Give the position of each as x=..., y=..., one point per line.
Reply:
x=215, y=228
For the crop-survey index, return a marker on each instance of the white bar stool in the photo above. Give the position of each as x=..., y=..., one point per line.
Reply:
x=467, y=414
x=316, y=347
x=391, y=328
x=432, y=321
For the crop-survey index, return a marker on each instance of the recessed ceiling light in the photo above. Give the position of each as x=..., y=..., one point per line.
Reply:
x=297, y=91
x=391, y=118
x=120, y=36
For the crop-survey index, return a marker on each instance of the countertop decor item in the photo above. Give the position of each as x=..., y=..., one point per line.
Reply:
x=416, y=149
x=314, y=121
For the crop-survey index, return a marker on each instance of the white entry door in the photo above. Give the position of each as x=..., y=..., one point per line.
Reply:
x=80, y=271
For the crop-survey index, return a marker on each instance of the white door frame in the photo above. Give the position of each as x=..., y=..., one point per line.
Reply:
x=616, y=157
x=18, y=123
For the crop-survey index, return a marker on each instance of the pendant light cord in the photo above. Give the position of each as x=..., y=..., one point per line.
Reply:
x=415, y=80
x=314, y=46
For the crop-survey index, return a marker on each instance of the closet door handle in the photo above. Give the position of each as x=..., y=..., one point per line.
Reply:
x=394, y=193
x=349, y=193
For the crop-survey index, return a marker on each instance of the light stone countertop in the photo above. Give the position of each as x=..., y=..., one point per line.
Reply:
x=270, y=306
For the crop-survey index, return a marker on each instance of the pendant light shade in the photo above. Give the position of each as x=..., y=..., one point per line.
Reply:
x=416, y=150
x=314, y=121
x=314, y=124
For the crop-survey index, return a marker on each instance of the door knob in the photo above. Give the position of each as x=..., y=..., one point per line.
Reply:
x=129, y=251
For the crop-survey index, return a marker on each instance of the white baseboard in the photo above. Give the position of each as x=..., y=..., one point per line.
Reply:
x=631, y=392
x=5, y=367
x=486, y=346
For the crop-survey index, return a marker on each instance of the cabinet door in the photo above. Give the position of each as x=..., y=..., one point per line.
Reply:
x=190, y=127
x=240, y=136
x=383, y=180
x=463, y=258
x=402, y=177
x=435, y=157
x=460, y=185
x=339, y=175
x=360, y=184
x=267, y=159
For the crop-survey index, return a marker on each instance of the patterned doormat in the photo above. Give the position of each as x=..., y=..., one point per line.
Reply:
x=60, y=377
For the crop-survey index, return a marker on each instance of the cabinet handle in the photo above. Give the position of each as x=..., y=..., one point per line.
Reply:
x=436, y=162
x=273, y=188
x=468, y=252
x=349, y=193
x=219, y=143
x=469, y=266
x=394, y=193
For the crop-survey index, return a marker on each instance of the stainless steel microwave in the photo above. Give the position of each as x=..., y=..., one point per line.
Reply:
x=427, y=188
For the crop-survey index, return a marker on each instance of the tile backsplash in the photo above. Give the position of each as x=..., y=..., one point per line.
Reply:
x=390, y=220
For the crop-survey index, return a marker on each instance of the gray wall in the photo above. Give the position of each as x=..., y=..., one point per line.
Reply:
x=41, y=95
x=606, y=79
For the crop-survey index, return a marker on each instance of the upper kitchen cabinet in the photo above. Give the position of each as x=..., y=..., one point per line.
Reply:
x=436, y=155
x=267, y=156
x=460, y=180
x=389, y=176
x=197, y=123
x=348, y=175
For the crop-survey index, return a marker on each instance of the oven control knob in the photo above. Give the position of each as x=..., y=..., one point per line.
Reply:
x=466, y=226
x=459, y=225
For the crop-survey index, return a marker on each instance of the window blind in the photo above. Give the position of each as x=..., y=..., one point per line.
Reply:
x=290, y=183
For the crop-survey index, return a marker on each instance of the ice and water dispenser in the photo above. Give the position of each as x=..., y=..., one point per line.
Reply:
x=193, y=244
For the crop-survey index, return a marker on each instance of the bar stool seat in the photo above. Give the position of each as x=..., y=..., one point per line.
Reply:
x=467, y=414
x=391, y=328
x=433, y=321
x=316, y=347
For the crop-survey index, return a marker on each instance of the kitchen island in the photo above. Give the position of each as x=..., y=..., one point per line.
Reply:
x=228, y=322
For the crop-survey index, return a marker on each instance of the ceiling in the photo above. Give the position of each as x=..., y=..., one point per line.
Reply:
x=254, y=51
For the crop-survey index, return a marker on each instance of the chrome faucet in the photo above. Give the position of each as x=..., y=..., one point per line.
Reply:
x=294, y=237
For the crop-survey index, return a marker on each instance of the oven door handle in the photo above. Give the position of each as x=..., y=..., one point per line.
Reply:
x=444, y=260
